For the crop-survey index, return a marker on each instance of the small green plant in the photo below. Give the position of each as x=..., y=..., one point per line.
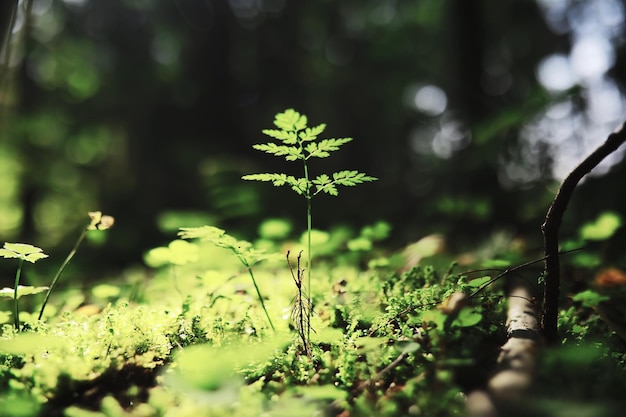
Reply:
x=23, y=252
x=244, y=251
x=298, y=142
x=98, y=222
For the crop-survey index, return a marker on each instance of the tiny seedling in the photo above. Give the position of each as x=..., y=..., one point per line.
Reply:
x=297, y=141
x=98, y=222
x=244, y=251
x=23, y=252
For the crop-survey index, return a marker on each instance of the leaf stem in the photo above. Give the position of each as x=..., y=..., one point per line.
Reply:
x=16, y=310
x=309, y=255
x=258, y=291
x=60, y=271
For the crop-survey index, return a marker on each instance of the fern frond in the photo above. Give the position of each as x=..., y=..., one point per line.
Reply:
x=311, y=133
x=290, y=121
x=291, y=153
x=299, y=185
x=212, y=234
x=277, y=179
x=324, y=184
x=323, y=148
x=289, y=138
x=219, y=238
x=351, y=178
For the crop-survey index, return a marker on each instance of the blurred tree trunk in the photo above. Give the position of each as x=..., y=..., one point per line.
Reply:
x=28, y=94
x=467, y=52
x=7, y=16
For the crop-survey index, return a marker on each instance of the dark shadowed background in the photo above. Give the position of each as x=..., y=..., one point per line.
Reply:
x=469, y=113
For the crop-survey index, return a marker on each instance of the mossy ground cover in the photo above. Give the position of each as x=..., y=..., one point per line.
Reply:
x=190, y=337
x=216, y=326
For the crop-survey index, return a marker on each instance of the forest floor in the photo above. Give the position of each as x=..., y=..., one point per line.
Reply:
x=404, y=334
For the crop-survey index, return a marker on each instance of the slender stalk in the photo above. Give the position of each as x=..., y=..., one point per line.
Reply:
x=16, y=310
x=60, y=271
x=308, y=251
x=258, y=291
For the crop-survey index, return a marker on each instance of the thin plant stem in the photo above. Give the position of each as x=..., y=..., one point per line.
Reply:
x=258, y=291
x=60, y=271
x=16, y=309
x=308, y=252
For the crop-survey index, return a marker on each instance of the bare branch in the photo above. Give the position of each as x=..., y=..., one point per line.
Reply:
x=550, y=229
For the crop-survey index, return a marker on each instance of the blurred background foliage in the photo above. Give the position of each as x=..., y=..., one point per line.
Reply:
x=469, y=112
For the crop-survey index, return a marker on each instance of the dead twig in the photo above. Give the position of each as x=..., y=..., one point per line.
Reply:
x=550, y=230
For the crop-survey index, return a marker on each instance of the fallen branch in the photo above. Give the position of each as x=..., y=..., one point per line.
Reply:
x=516, y=363
x=550, y=229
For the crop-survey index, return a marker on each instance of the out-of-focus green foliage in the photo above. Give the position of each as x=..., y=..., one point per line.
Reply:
x=148, y=109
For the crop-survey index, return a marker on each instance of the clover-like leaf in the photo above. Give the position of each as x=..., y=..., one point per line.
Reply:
x=21, y=290
x=22, y=251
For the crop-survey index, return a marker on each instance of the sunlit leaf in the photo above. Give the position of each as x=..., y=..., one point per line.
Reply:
x=4, y=253
x=479, y=282
x=21, y=290
x=602, y=228
x=360, y=244
x=589, y=298
x=467, y=318
x=434, y=316
x=311, y=133
x=323, y=148
x=291, y=152
x=275, y=229
x=210, y=368
x=21, y=248
x=290, y=120
x=289, y=138
x=22, y=251
x=34, y=257
x=105, y=291
x=378, y=231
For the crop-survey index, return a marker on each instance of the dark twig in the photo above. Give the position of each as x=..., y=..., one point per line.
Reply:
x=550, y=230
x=301, y=310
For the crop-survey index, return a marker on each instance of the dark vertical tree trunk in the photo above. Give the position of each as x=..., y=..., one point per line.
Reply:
x=467, y=52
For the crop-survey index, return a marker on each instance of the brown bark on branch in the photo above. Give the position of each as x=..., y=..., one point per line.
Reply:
x=550, y=229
